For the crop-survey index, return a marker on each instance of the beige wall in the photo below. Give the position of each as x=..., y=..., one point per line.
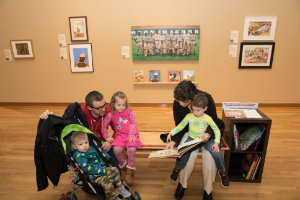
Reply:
x=46, y=78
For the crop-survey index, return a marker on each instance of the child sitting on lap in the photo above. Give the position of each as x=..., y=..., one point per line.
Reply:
x=93, y=165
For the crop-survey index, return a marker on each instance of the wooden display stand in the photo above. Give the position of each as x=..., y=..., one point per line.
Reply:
x=233, y=158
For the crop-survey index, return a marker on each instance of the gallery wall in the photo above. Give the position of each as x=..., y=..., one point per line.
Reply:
x=47, y=78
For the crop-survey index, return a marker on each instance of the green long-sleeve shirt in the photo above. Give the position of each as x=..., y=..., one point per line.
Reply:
x=197, y=126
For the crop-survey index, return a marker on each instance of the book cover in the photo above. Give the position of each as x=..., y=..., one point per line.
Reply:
x=174, y=76
x=249, y=136
x=138, y=76
x=236, y=138
x=154, y=75
x=184, y=147
x=256, y=167
x=188, y=75
x=164, y=153
x=246, y=164
x=235, y=113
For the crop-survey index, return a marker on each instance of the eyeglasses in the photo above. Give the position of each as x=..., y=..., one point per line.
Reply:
x=99, y=108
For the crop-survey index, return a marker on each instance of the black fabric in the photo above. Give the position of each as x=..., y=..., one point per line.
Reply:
x=180, y=112
x=49, y=158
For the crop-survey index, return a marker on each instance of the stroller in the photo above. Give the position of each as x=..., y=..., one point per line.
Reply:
x=79, y=179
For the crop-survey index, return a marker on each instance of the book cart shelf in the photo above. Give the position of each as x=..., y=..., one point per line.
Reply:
x=233, y=158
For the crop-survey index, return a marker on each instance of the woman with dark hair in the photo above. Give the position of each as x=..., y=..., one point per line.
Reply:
x=183, y=95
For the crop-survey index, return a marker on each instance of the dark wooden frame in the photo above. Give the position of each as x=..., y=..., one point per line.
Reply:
x=256, y=44
x=86, y=28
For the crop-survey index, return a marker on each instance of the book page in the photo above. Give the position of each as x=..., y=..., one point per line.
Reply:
x=198, y=140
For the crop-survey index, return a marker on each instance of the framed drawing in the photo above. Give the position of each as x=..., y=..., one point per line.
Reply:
x=154, y=75
x=78, y=29
x=174, y=76
x=256, y=54
x=165, y=42
x=22, y=48
x=259, y=28
x=81, y=57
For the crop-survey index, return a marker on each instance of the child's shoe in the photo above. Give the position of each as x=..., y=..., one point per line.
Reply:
x=129, y=175
x=117, y=198
x=175, y=174
x=122, y=191
x=224, y=179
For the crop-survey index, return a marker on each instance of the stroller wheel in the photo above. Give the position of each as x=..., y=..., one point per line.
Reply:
x=71, y=196
x=137, y=195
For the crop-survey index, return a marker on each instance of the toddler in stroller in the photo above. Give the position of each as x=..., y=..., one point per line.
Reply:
x=90, y=165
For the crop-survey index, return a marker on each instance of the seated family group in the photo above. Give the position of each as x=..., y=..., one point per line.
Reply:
x=195, y=116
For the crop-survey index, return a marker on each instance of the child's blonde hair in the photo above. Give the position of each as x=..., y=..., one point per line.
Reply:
x=77, y=135
x=120, y=95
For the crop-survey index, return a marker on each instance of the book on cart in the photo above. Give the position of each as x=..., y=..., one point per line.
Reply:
x=176, y=152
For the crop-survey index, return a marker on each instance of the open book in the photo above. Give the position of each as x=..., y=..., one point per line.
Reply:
x=176, y=152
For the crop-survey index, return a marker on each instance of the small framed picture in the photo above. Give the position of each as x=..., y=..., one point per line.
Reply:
x=259, y=28
x=81, y=57
x=256, y=54
x=174, y=76
x=22, y=48
x=188, y=75
x=154, y=75
x=78, y=29
x=138, y=76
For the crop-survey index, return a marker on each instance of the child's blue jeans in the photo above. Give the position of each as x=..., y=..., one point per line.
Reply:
x=218, y=157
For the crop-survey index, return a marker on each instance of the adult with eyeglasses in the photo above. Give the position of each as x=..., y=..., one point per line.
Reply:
x=94, y=109
x=183, y=95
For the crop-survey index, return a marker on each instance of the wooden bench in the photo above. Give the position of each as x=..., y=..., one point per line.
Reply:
x=152, y=142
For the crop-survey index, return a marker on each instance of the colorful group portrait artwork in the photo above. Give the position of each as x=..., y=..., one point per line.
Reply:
x=260, y=28
x=81, y=57
x=78, y=28
x=165, y=42
x=22, y=48
x=256, y=55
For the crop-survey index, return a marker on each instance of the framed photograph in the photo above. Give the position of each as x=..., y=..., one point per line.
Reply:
x=188, y=75
x=165, y=42
x=256, y=54
x=81, y=57
x=154, y=75
x=174, y=76
x=259, y=28
x=22, y=48
x=78, y=29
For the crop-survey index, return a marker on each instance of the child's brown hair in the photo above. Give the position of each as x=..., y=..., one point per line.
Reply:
x=120, y=95
x=78, y=135
x=199, y=100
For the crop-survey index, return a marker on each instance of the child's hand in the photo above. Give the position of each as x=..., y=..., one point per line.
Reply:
x=215, y=148
x=169, y=138
x=110, y=140
x=131, y=139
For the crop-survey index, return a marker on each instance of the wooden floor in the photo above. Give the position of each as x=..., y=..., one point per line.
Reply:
x=281, y=177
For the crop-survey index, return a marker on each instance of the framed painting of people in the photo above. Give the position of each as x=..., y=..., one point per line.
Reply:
x=256, y=54
x=165, y=42
x=259, y=28
x=81, y=57
x=22, y=48
x=78, y=29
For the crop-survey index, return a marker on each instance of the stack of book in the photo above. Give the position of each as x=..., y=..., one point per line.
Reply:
x=250, y=168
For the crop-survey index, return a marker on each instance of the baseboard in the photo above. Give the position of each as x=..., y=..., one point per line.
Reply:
x=137, y=104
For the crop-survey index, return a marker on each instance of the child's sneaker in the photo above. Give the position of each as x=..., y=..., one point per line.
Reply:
x=175, y=173
x=224, y=179
x=117, y=198
x=122, y=191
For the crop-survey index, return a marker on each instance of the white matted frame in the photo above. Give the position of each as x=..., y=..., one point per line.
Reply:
x=260, y=28
x=81, y=57
x=78, y=29
x=22, y=48
x=256, y=54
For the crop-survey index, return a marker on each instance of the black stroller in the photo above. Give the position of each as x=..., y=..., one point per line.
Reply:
x=81, y=180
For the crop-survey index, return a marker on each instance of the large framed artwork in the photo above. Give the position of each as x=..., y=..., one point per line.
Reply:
x=22, y=48
x=259, y=28
x=256, y=54
x=78, y=29
x=165, y=42
x=81, y=57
